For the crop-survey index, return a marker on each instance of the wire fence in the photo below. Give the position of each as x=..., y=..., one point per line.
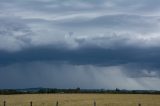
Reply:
x=94, y=103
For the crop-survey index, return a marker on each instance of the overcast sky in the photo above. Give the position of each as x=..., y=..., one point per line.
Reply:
x=80, y=43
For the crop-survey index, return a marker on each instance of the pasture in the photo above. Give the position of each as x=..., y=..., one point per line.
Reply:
x=80, y=100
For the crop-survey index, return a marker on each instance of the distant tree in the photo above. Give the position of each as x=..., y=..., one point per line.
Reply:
x=117, y=90
x=77, y=90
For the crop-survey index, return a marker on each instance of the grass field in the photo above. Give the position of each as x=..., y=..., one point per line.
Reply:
x=80, y=100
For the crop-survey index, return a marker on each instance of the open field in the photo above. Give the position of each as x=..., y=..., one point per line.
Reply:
x=80, y=100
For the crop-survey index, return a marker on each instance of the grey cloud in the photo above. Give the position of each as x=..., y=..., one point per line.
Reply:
x=69, y=76
x=14, y=33
x=108, y=41
x=148, y=69
x=132, y=6
x=120, y=22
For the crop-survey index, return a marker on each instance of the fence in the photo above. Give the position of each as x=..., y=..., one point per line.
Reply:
x=57, y=104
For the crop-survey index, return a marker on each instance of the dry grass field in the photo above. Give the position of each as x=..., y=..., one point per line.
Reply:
x=80, y=100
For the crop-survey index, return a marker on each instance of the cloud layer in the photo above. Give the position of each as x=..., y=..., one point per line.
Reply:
x=90, y=44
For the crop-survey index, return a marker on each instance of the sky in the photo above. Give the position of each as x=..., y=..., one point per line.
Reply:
x=91, y=44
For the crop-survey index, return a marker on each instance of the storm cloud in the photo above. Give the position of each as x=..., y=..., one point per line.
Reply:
x=80, y=43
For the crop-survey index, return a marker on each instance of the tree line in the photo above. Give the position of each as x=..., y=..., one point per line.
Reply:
x=76, y=90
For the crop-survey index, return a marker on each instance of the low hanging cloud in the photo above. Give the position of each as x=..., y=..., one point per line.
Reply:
x=85, y=68
x=70, y=76
x=90, y=44
x=85, y=55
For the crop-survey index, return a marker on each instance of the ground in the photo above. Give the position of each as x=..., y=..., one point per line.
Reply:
x=80, y=99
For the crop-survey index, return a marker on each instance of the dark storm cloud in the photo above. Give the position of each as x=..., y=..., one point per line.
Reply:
x=148, y=57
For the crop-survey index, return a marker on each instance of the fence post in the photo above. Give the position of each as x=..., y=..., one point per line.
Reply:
x=31, y=103
x=94, y=104
x=43, y=104
x=57, y=103
x=139, y=104
x=4, y=103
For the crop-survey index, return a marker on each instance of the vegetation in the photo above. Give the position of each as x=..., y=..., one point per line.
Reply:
x=76, y=90
x=80, y=99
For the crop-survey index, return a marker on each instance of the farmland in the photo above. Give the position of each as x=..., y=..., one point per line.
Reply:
x=80, y=99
